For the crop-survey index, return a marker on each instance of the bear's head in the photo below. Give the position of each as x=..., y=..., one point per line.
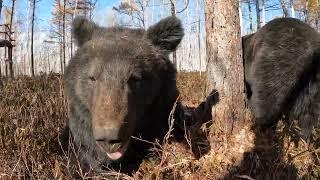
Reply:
x=119, y=73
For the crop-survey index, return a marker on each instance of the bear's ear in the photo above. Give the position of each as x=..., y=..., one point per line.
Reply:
x=82, y=29
x=166, y=34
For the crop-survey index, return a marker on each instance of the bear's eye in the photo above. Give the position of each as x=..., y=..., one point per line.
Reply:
x=92, y=78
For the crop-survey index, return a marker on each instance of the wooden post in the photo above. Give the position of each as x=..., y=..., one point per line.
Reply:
x=7, y=44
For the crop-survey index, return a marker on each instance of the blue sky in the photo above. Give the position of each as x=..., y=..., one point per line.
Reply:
x=44, y=9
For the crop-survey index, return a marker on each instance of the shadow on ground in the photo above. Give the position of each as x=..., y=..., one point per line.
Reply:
x=265, y=161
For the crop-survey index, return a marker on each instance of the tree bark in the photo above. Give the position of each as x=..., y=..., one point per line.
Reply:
x=32, y=35
x=225, y=71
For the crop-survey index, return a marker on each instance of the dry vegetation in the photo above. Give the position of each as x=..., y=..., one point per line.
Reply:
x=32, y=114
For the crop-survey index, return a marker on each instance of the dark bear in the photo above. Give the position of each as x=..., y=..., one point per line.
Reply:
x=282, y=73
x=119, y=84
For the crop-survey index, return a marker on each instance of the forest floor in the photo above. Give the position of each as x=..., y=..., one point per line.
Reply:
x=32, y=115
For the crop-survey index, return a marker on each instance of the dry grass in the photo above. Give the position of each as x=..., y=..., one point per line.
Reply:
x=192, y=87
x=32, y=114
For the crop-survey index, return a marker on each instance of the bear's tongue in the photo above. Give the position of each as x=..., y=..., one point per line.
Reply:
x=115, y=155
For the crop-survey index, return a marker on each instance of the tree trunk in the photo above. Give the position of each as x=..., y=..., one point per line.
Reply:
x=143, y=15
x=64, y=34
x=27, y=54
x=312, y=13
x=72, y=17
x=1, y=2
x=199, y=36
x=11, y=72
x=11, y=18
x=60, y=40
x=173, y=13
x=284, y=8
x=250, y=16
x=258, y=14
x=32, y=34
x=6, y=29
x=292, y=9
x=90, y=10
x=225, y=71
x=263, y=12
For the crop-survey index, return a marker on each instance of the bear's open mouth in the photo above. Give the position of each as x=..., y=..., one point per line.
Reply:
x=116, y=155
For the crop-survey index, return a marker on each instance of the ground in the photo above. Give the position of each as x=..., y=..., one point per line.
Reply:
x=32, y=114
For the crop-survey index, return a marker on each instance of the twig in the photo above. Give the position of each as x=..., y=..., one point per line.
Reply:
x=146, y=141
x=171, y=121
x=119, y=175
x=187, y=4
x=15, y=166
x=304, y=153
x=173, y=165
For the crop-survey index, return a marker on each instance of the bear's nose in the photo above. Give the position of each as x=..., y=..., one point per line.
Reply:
x=109, y=136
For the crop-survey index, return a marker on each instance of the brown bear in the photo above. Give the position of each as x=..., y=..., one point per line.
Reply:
x=121, y=84
x=282, y=73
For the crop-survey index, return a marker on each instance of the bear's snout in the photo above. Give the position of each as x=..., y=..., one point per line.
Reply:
x=110, y=141
x=108, y=136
